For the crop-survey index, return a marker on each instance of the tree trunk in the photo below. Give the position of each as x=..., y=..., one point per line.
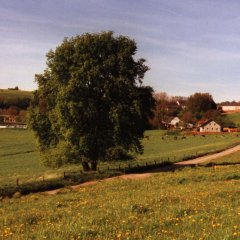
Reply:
x=94, y=165
x=85, y=166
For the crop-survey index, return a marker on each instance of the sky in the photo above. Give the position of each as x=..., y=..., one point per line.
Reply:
x=190, y=45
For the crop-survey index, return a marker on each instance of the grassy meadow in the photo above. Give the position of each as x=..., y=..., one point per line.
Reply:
x=10, y=94
x=234, y=117
x=233, y=158
x=19, y=157
x=192, y=203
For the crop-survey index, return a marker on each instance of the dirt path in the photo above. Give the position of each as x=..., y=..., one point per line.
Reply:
x=76, y=187
x=136, y=176
x=209, y=157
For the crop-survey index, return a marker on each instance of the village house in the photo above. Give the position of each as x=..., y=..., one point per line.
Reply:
x=173, y=122
x=8, y=118
x=11, y=121
x=210, y=126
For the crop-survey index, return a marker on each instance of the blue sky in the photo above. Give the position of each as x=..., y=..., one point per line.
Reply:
x=190, y=45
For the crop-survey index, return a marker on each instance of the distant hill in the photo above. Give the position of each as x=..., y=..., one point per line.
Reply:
x=9, y=94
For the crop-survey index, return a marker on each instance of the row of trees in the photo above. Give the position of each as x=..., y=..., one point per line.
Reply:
x=21, y=103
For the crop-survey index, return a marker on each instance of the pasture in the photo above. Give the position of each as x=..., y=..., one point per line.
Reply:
x=233, y=158
x=234, y=117
x=13, y=94
x=197, y=203
x=20, y=159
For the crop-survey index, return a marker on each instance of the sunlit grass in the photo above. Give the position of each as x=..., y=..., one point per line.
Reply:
x=20, y=159
x=199, y=203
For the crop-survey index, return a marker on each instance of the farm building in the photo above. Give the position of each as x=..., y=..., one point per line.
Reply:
x=231, y=108
x=8, y=118
x=11, y=121
x=173, y=122
x=230, y=129
x=210, y=126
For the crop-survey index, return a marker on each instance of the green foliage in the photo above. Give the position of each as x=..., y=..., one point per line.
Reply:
x=117, y=153
x=91, y=98
x=200, y=103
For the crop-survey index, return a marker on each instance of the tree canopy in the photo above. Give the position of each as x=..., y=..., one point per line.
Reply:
x=90, y=98
x=199, y=103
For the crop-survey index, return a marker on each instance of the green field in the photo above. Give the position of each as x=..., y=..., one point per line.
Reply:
x=19, y=157
x=234, y=117
x=233, y=158
x=188, y=204
x=10, y=94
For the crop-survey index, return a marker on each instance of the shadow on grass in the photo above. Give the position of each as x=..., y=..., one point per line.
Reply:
x=74, y=178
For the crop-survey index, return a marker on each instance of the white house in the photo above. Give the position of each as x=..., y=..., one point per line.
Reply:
x=210, y=126
x=174, y=122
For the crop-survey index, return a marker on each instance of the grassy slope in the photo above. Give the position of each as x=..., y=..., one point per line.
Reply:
x=235, y=117
x=9, y=94
x=19, y=157
x=233, y=158
x=189, y=204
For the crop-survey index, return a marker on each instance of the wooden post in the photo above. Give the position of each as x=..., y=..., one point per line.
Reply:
x=214, y=167
x=17, y=182
x=64, y=175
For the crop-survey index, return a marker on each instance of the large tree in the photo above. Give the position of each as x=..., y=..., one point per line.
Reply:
x=90, y=98
x=199, y=103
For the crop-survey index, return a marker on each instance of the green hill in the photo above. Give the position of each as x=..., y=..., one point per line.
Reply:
x=12, y=94
x=234, y=118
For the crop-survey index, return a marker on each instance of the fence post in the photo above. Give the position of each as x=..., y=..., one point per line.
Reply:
x=64, y=175
x=17, y=181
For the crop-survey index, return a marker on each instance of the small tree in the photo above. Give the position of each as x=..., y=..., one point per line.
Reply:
x=90, y=98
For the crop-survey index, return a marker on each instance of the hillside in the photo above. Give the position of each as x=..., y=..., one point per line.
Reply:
x=12, y=94
x=234, y=117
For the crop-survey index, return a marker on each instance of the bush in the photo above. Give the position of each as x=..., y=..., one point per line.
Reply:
x=117, y=153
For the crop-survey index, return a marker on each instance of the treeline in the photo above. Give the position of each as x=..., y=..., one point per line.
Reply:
x=18, y=102
x=228, y=103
